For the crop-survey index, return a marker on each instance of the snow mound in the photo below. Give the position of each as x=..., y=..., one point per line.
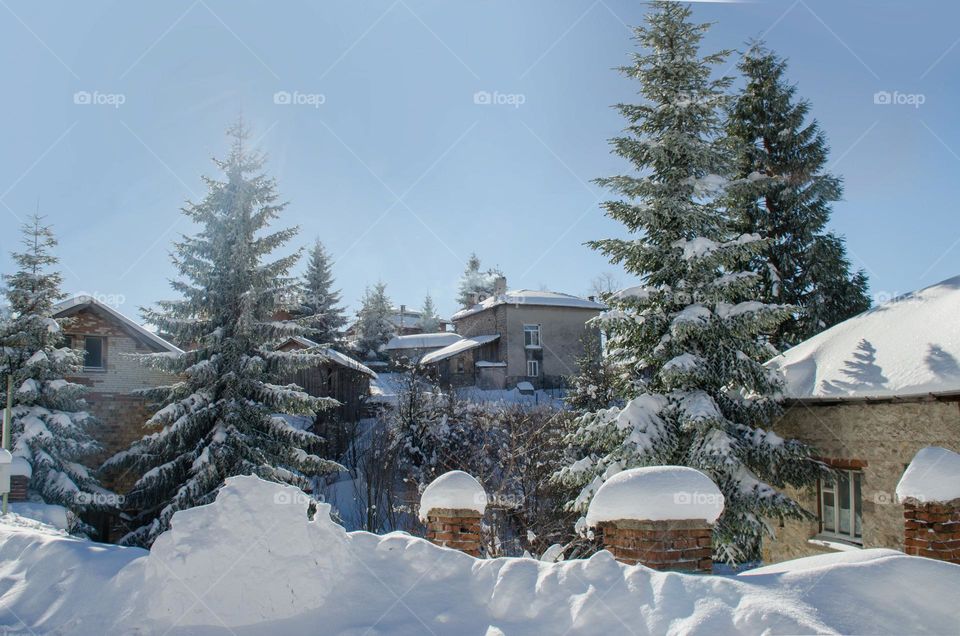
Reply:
x=932, y=476
x=656, y=493
x=907, y=346
x=455, y=490
x=253, y=562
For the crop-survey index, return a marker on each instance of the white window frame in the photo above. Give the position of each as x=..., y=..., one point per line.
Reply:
x=830, y=486
x=535, y=366
x=528, y=342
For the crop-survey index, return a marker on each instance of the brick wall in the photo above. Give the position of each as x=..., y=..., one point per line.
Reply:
x=683, y=545
x=932, y=530
x=457, y=529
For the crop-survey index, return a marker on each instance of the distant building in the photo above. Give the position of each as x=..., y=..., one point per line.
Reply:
x=405, y=322
x=516, y=336
x=340, y=377
x=869, y=393
x=415, y=346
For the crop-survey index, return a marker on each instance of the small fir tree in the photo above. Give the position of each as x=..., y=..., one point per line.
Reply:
x=374, y=327
x=691, y=337
x=429, y=320
x=319, y=308
x=784, y=193
x=222, y=417
x=475, y=284
x=50, y=424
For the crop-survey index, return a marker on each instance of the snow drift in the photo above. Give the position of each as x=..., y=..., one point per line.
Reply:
x=253, y=562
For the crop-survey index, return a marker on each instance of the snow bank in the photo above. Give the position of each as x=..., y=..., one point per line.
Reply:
x=254, y=563
x=455, y=490
x=656, y=493
x=932, y=476
x=49, y=514
x=907, y=346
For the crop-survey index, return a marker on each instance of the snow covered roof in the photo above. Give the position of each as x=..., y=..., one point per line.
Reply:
x=464, y=344
x=334, y=355
x=932, y=476
x=656, y=493
x=423, y=341
x=455, y=490
x=907, y=347
x=80, y=301
x=530, y=297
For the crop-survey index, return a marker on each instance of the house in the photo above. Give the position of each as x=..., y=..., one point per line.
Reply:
x=106, y=336
x=415, y=346
x=340, y=377
x=869, y=393
x=405, y=322
x=516, y=336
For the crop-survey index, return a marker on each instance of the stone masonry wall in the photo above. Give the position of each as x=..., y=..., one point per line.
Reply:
x=879, y=439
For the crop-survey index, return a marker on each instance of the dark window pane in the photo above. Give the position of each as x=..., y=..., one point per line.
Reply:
x=858, y=522
x=829, y=513
x=93, y=352
x=843, y=497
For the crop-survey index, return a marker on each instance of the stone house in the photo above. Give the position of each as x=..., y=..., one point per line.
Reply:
x=516, y=336
x=869, y=393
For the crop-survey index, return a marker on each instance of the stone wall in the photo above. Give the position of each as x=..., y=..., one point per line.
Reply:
x=879, y=439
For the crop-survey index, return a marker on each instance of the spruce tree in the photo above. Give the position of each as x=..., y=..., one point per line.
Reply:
x=374, y=328
x=222, y=417
x=690, y=338
x=429, y=320
x=319, y=308
x=474, y=283
x=784, y=192
x=50, y=424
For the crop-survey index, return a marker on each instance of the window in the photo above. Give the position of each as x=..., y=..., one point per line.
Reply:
x=531, y=336
x=841, y=506
x=93, y=352
x=533, y=368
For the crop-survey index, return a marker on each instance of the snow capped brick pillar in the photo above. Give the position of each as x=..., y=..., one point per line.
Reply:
x=451, y=507
x=930, y=493
x=661, y=517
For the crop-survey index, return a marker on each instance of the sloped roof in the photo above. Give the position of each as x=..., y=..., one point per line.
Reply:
x=81, y=301
x=423, y=341
x=531, y=297
x=334, y=355
x=907, y=347
x=457, y=347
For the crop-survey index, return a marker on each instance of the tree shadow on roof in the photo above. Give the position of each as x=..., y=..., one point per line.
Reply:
x=862, y=372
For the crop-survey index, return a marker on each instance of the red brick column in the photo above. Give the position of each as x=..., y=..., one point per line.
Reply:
x=18, y=487
x=662, y=545
x=457, y=529
x=932, y=530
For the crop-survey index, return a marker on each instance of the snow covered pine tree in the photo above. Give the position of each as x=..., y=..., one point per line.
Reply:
x=50, y=424
x=473, y=283
x=691, y=337
x=374, y=328
x=222, y=419
x=319, y=307
x=782, y=192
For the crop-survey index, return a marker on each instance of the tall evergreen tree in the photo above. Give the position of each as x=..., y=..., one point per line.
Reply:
x=222, y=418
x=374, y=328
x=475, y=283
x=691, y=337
x=50, y=425
x=784, y=192
x=429, y=320
x=320, y=307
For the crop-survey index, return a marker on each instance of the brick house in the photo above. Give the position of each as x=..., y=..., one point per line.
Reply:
x=106, y=335
x=516, y=336
x=869, y=393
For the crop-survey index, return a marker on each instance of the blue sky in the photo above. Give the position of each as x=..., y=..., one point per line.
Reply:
x=387, y=157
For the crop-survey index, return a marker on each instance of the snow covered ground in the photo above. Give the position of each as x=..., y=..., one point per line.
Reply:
x=252, y=563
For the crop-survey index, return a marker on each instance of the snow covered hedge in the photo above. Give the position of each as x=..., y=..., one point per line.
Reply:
x=252, y=562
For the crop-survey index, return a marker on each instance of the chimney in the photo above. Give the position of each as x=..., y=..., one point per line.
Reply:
x=500, y=286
